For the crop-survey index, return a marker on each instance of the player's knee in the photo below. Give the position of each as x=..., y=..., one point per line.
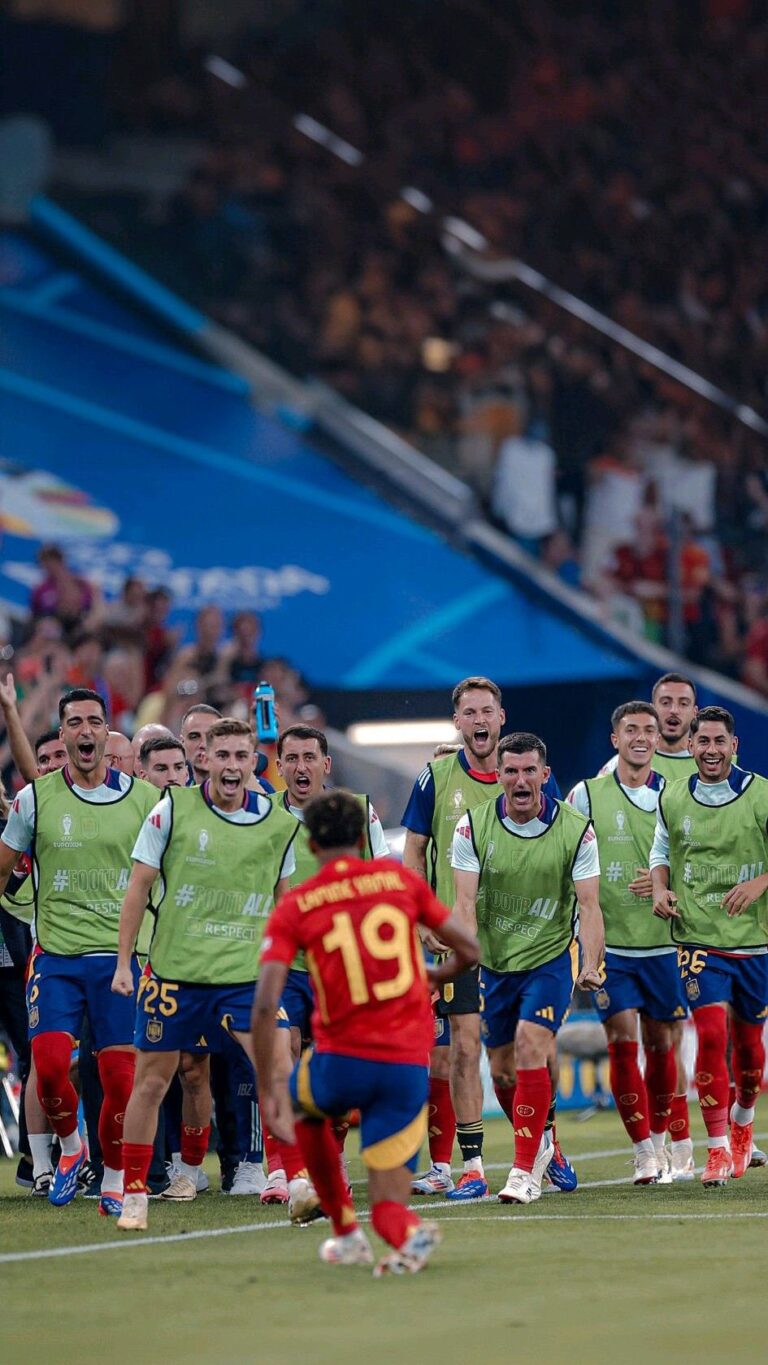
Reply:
x=151, y=1087
x=52, y=1053
x=465, y=1038
x=531, y=1049
x=711, y=1028
x=116, y=1071
x=503, y=1076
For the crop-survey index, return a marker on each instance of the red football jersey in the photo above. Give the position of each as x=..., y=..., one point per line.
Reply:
x=357, y=922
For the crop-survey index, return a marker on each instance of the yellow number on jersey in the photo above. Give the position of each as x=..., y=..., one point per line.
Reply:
x=395, y=949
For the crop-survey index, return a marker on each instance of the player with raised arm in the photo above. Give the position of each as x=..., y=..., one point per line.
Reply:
x=222, y=852
x=707, y=867
x=372, y=1027
x=445, y=789
x=527, y=875
x=641, y=978
x=81, y=823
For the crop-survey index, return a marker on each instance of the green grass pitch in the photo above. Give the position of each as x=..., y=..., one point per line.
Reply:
x=609, y=1273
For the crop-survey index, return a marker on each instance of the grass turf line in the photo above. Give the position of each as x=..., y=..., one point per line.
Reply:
x=673, y=1273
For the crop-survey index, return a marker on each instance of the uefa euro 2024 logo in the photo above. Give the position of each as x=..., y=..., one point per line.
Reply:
x=687, y=827
x=202, y=841
x=66, y=825
x=620, y=821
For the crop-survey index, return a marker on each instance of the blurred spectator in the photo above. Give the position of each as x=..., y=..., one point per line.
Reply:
x=523, y=496
x=241, y=658
x=128, y=613
x=202, y=661
x=613, y=503
x=62, y=593
x=160, y=639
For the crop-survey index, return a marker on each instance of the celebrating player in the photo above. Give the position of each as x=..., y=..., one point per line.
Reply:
x=641, y=975
x=162, y=762
x=441, y=793
x=304, y=763
x=709, y=844
x=81, y=823
x=521, y=863
x=674, y=700
x=372, y=1028
x=223, y=852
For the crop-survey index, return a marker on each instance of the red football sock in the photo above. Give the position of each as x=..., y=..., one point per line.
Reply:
x=271, y=1150
x=194, y=1144
x=628, y=1090
x=711, y=1070
x=319, y=1152
x=505, y=1094
x=53, y=1056
x=116, y=1070
x=660, y=1081
x=137, y=1159
x=393, y=1222
x=748, y=1061
x=679, y=1125
x=292, y=1160
x=442, y=1121
x=533, y=1096
x=340, y=1128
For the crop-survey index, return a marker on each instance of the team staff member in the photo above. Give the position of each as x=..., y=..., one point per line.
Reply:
x=81, y=824
x=527, y=875
x=442, y=792
x=372, y=1026
x=642, y=981
x=710, y=843
x=223, y=853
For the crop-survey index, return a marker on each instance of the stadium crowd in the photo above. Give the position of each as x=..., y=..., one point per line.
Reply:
x=125, y=649
x=597, y=153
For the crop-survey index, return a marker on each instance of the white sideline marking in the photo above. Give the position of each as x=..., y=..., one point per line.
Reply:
x=129, y=1243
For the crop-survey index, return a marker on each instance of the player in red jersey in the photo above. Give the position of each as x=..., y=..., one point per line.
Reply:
x=372, y=1028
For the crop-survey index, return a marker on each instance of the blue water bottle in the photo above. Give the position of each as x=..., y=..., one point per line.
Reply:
x=264, y=716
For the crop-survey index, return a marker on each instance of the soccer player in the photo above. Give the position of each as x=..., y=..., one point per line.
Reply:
x=304, y=763
x=674, y=699
x=49, y=756
x=151, y=731
x=441, y=1126
x=50, y=752
x=81, y=823
x=641, y=975
x=195, y=724
x=527, y=874
x=162, y=762
x=443, y=791
x=223, y=852
x=707, y=862
x=372, y=1026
